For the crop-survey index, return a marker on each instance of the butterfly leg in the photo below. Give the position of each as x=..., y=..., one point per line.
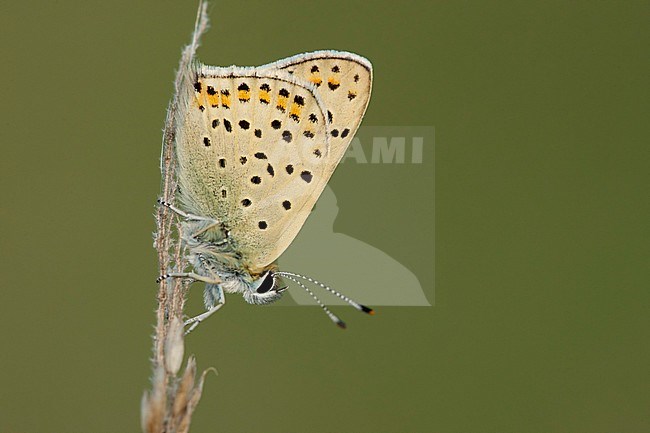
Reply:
x=184, y=214
x=194, y=321
x=192, y=275
x=191, y=217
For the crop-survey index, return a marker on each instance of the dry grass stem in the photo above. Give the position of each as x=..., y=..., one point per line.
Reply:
x=169, y=406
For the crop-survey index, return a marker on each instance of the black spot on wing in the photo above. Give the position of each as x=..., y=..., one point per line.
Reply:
x=306, y=176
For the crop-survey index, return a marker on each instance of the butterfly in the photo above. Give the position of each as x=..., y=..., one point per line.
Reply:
x=255, y=147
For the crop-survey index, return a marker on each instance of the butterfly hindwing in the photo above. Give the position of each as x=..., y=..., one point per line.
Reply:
x=251, y=156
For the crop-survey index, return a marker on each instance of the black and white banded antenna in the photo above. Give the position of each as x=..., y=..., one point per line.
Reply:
x=294, y=277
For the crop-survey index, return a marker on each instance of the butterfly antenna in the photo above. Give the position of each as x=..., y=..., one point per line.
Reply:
x=355, y=304
x=334, y=317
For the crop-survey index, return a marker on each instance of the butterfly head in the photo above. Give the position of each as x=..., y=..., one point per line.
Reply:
x=264, y=290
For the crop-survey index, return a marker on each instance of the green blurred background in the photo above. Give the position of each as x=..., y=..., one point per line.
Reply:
x=540, y=322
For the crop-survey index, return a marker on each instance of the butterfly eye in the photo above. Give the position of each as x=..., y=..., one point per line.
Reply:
x=267, y=283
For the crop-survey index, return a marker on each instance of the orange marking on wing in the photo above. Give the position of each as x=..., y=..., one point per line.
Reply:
x=244, y=95
x=225, y=100
x=282, y=103
x=295, y=110
x=264, y=96
x=213, y=100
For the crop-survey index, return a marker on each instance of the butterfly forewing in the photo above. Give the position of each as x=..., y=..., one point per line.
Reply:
x=253, y=155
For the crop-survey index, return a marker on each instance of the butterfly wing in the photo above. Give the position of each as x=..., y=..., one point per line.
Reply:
x=256, y=146
x=343, y=82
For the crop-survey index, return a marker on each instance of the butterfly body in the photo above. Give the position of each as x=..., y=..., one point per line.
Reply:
x=213, y=256
x=255, y=148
